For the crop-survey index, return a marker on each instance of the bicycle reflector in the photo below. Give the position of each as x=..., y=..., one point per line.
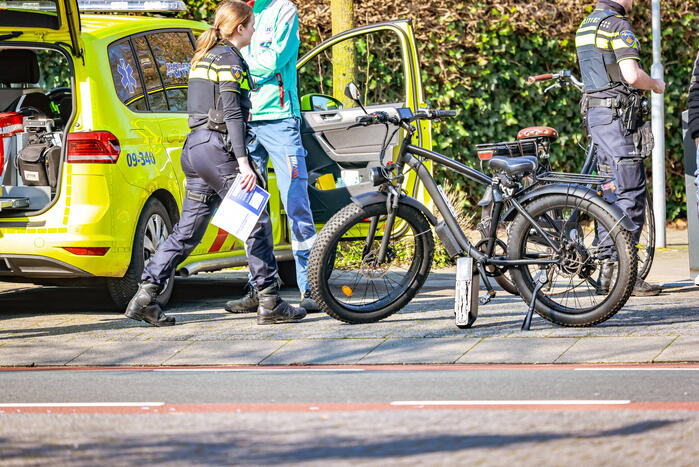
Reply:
x=485, y=155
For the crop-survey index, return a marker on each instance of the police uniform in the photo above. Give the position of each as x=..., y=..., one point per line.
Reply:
x=604, y=39
x=218, y=102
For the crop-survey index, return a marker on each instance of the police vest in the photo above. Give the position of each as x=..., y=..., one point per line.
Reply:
x=220, y=70
x=598, y=66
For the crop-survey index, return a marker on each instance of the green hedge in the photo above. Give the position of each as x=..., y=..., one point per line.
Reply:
x=476, y=55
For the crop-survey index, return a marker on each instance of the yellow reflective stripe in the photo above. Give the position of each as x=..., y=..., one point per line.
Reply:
x=202, y=73
x=221, y=67
x=226, y=76
x=588, y=39
x=587, y=29
x=620, y=44
x=602, y=43
x=608, y=34
x=230, y=90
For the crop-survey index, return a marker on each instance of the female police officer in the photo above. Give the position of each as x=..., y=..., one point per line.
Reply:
x=218, y=102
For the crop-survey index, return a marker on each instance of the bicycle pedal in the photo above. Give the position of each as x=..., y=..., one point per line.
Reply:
x=485, y=299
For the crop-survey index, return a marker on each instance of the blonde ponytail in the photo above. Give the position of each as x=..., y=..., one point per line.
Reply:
x=229, y=15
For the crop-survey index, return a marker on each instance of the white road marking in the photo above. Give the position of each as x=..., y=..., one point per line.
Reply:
x=84, y=404
x=635, y=369
x=247, y=370
x=517, y=402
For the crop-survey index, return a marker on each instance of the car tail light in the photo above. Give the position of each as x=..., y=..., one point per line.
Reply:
x=93, y=147
x=485, y=155
x=87, y=251
x=11, y=123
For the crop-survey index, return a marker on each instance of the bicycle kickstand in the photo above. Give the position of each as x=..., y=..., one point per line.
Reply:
x=540, y=279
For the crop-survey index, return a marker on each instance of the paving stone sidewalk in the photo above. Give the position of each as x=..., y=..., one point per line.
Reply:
x=71, y=326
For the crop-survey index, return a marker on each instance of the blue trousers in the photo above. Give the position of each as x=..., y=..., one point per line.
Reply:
x=280, y=140
x=210, y=170
x=617, y=153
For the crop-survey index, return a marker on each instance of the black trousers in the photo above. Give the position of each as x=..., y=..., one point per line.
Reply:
x=210, y=170
x=617, y=152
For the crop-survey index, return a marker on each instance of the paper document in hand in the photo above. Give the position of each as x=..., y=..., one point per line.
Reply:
x=240, y=210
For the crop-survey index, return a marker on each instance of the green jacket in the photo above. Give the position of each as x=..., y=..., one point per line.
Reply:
x=272, y=56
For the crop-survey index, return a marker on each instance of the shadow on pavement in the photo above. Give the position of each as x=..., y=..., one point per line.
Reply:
x=241, y=448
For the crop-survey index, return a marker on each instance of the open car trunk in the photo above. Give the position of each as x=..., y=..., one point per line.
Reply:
x=35, y=110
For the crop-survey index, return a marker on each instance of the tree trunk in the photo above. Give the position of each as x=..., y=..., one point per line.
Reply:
x=344, y=62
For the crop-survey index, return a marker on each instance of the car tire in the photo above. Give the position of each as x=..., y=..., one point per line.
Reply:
x=154, y=226
x=287, y=272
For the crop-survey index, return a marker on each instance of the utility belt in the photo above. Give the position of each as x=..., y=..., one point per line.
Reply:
x=199, y=197
x=633, y=110
x=214, y=121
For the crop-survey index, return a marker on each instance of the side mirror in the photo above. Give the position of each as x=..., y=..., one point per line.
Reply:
x=319, y=102
x=352, y=91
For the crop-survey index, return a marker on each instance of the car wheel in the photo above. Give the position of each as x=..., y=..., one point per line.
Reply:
x=154, y=226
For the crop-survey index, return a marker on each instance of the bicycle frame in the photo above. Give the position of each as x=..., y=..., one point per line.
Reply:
x=409, y=155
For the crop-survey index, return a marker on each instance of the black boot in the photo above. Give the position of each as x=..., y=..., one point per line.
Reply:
x=644, y=289
x=605, y=276
x=246, y=304
x=144, y=307
x=273, y=309
x=307, y=303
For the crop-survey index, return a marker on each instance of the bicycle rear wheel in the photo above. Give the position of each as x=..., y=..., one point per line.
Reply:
x=571, y=296
x=346, y=279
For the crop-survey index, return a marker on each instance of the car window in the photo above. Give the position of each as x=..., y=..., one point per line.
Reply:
x=151, y=75
x=373, y=61
x=173, y=53
x=127, y=81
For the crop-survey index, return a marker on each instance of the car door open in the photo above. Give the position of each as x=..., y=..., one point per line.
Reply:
x=382, y=60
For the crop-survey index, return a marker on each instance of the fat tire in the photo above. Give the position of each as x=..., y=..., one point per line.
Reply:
x=122, y=289
x=627, y=264
x=327, y=241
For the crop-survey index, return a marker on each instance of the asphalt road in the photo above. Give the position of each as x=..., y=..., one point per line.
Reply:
x=493, y=415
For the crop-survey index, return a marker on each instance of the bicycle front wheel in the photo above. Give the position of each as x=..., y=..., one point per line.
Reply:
x=348, y=280
x=572, y=295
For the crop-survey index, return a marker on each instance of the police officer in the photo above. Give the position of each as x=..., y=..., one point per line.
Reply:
x=213, y=155
x=614, y=107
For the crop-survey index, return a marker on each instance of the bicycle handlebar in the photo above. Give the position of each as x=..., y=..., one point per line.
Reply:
x=544, y=77
x=563, y=77
x=384, y=117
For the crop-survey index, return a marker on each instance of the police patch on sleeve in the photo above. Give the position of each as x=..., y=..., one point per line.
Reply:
x=237, y=72
x=629, y=38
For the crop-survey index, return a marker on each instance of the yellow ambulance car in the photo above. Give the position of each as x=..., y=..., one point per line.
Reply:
x=92, y=122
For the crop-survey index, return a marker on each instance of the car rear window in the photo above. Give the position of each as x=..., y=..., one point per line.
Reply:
x=151, y=75
x=162, y=69
x=127, y=81
x=173, y=53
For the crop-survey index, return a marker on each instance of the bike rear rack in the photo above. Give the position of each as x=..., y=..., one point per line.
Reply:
x=578, y=179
